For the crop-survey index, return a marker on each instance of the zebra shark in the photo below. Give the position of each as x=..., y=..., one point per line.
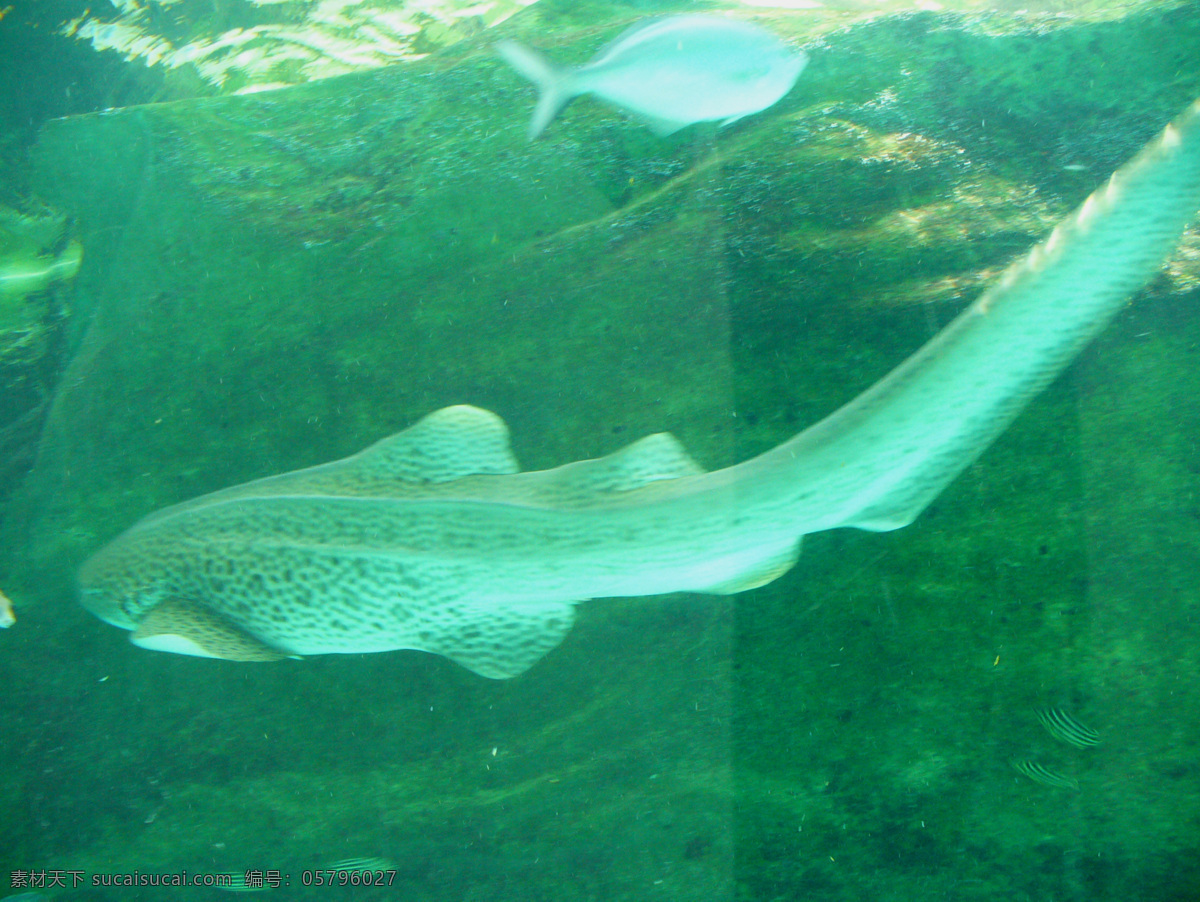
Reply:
x=432, y=540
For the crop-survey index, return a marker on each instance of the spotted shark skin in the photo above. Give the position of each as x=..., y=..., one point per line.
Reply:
x=433, y=540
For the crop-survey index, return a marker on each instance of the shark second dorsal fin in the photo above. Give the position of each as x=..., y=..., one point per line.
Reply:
x=651, y=459
x=655, y=457
x=187, y=628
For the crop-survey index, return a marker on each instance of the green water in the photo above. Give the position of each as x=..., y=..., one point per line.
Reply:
x=276, y=280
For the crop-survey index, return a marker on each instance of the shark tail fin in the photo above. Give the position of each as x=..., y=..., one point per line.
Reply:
x=555, y=86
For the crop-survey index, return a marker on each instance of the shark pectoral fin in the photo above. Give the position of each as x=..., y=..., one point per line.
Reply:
x=498, y=642
x=186, y=628
x=765, y=570
x=663, y=127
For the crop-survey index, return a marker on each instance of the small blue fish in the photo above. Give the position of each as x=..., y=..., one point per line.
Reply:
x=670, y=73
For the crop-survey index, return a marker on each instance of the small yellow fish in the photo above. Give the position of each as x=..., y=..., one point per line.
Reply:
x=7, y=617
x=22, y=275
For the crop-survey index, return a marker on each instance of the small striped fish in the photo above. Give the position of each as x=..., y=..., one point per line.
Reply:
x=237, y=883
x=237, y=879
x=361, y=865
x=1039, y=773
x=1065, y=728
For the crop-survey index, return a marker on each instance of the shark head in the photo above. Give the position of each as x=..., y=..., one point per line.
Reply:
x=111, y=587
x=122, y=587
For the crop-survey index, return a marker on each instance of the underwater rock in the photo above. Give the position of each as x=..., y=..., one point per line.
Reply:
x=418, y=541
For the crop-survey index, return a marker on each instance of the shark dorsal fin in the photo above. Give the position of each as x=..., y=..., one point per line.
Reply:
x=447, y=444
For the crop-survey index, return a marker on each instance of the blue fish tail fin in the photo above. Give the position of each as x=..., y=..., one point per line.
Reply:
x=556, y=86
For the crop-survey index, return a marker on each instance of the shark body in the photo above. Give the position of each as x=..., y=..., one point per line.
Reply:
x=433, y=540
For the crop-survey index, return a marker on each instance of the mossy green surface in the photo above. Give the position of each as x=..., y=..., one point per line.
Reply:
x=276, y=281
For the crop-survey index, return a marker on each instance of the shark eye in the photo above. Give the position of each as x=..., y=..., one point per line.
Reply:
x=135, y=601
